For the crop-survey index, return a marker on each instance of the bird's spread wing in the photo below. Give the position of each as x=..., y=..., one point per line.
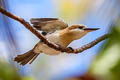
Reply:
x=48, y=24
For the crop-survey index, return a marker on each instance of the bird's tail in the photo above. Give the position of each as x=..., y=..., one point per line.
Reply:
x=29, y=56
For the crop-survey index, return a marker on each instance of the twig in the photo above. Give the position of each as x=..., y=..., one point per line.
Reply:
x=50, y=44
x=91, y=44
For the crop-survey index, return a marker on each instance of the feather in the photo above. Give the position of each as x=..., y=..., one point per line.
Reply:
x=48, y=24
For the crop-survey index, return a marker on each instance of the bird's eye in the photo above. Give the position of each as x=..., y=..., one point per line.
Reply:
x=80, y=27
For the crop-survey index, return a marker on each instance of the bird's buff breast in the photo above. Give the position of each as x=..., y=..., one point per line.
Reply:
x=43, y=48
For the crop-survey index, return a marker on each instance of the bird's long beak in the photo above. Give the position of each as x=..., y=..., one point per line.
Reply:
x=91, y=29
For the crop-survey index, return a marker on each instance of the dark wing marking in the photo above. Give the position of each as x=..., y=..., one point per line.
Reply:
x=48, y=24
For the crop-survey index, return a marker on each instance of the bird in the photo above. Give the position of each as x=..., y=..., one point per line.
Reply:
x=56, y=31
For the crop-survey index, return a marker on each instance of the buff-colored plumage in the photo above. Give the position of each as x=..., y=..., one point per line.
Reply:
x=58, y=32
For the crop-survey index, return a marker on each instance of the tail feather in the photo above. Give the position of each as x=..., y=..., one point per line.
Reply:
x=21, y=57
x=33, y=58
x=29, y=56
x=25, y=61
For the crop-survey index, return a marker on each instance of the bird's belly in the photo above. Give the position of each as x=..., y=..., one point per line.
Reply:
x=43, y=48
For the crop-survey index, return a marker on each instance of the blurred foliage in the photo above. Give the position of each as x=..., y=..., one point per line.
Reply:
x=107, y=63
x=8, y=72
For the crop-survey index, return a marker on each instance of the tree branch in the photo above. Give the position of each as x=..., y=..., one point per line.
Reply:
x=91, y=44
x=50, y=44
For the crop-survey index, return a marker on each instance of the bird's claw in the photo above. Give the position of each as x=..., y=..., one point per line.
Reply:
x=67, y=47
x=71, y=48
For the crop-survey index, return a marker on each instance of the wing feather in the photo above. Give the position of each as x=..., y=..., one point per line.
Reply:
x=48, y=24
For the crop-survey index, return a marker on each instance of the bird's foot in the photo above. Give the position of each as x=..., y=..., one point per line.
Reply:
x=71, y=48
x=67, y=47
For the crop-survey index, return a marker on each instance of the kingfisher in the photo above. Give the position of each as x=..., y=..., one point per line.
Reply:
x=56, y=31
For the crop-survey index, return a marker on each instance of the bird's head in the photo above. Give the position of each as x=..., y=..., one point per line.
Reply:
x=78, y=31
x=81, y=28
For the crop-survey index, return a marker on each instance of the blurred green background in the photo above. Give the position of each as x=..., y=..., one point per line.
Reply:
x=101, y=62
